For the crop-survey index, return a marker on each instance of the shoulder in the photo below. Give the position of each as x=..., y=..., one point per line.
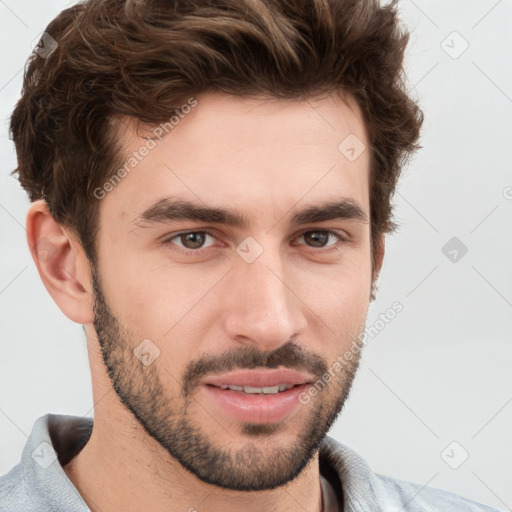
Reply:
x=13, y=493
x=363, y=489
x=38, y=483
x=393, y=492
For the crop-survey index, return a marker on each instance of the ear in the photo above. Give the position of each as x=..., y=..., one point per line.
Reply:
x=61, y=263
x=379, y=258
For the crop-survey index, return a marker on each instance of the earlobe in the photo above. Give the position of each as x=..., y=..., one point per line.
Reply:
x=61, y=263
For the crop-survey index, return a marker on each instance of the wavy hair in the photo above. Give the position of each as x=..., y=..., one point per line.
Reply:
x=143, y=58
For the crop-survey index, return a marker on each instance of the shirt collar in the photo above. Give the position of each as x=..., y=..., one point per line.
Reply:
x=55, y=439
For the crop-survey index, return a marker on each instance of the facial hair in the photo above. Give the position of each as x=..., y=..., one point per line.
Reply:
x=167, y=419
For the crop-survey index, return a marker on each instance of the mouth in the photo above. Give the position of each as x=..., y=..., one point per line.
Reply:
x=255, y=407
x=260, y=381
x=257, y=396
x=253, y=390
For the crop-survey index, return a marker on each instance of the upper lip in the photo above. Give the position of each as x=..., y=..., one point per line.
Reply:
x=260, y=378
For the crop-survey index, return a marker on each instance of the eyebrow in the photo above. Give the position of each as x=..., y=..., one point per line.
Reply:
x=168, y=210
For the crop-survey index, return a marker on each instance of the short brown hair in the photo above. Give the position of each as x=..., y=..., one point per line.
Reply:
x=142, y=58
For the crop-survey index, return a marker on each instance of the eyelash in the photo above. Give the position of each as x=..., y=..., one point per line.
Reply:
x=168, y=241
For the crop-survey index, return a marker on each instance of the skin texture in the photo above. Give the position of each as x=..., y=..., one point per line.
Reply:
x=158, y=440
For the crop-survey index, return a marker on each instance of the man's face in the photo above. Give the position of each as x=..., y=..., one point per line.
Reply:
x=278, y=293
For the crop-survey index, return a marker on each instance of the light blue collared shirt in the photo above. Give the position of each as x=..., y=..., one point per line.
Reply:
x=38, y=483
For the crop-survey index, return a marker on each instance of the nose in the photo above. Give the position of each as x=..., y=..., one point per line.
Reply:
x=261, y=306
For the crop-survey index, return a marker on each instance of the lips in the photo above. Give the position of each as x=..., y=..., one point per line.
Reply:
x=255, y=407
x=259, y=379
x=266, y=390
x=257, y=396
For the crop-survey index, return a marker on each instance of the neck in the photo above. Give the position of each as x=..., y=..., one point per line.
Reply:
x=141, y=475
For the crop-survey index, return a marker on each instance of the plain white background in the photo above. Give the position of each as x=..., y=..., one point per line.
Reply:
x=439, y=372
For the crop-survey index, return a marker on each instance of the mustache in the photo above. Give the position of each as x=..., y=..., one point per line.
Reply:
x=289, y=355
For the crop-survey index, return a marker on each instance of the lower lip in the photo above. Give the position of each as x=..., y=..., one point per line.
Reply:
x=256, y=408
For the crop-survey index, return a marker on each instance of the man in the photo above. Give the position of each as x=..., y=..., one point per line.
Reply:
x=210, y=187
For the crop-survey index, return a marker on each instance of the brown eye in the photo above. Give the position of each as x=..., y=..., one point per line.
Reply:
x=320, y=238
x=191, y=240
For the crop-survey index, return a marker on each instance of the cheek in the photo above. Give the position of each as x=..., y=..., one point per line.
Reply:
x=170, y=306
x=341, y=303
x=340, y=298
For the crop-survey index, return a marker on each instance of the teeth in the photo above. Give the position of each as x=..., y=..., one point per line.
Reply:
x=269, y=390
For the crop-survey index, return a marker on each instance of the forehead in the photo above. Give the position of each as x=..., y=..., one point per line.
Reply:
x=250, y=154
